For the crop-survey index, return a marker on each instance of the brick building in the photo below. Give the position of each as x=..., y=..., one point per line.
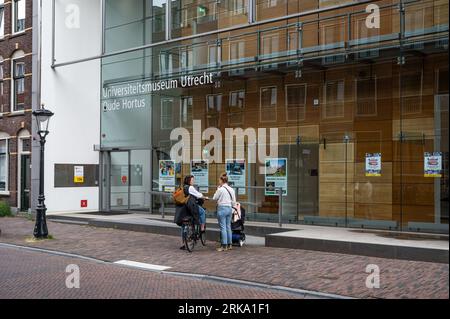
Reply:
x=15, y=102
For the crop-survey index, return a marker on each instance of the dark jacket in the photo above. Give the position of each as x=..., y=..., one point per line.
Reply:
x=181, y=212
x=190, y=209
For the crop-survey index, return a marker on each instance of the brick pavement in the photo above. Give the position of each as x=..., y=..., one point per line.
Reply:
x=311, y=270
x=36, y=275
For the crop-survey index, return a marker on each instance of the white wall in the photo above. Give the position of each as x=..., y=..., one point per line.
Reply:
x=73, y=94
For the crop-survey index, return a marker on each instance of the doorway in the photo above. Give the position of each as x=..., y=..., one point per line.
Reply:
x=25, y=181
x=126, y=180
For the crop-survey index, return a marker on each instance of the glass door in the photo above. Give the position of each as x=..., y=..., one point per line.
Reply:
x=119, y=175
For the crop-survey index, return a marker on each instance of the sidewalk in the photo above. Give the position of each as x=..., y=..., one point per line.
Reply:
x=356, y=241
x=310, y=270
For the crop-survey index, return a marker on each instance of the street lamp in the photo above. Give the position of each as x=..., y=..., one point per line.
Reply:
x=42, y=117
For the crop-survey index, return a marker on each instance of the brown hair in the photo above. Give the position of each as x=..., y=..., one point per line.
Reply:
x=224, y=178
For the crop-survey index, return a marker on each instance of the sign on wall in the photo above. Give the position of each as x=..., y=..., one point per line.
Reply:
x=236, y=174
x=78, y=174
x=276, y=176
x=166, y=176
x=373, y=164
x=124, y=174
x=199, y=169
x=433, y=164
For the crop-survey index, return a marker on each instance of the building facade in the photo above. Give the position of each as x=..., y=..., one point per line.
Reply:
x=15, y=102
x=341, y=106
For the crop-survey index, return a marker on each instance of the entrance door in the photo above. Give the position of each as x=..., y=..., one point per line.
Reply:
x=119, y=175
x=25, y=174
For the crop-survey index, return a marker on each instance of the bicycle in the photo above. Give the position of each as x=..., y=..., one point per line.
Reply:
x=191, y=234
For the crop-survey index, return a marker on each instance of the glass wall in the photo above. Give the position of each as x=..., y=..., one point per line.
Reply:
x=359, y=116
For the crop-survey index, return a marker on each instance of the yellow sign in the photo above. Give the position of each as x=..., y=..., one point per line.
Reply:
x=78, y=174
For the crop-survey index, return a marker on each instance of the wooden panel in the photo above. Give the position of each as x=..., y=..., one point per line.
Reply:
x=335, y=209
x=378, y=211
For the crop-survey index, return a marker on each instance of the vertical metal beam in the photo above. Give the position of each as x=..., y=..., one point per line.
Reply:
x=437, y=148
x=53, y=31
x=168, y=19
x=103, y=10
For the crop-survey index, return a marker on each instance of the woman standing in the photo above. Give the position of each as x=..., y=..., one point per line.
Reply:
x=189, y=184
x=226, y=198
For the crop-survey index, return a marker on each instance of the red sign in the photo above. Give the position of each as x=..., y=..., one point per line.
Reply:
x=84, y=203
x=124, y=179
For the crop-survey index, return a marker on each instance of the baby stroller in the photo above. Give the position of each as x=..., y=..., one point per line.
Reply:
x=237, y=227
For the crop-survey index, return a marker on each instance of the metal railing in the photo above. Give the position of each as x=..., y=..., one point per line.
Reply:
x=278, y=191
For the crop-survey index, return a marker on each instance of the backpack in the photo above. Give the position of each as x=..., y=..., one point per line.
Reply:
x=180, y=197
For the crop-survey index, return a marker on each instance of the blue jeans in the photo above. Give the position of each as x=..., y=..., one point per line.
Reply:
x=224, y=217
x=201, y=215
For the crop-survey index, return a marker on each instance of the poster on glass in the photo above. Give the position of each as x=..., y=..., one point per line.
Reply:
x=433, y=164
x=236, y=174
x=276, y=176
x=199, y=169
x=166, y=176
x=373, y=164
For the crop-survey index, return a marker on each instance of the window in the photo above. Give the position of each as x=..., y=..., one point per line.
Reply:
x=270, y=44
x=236, y=107
x=268, y=104
x=269, y=3
x=270, y=48
x=366, y=102
x=2, y=18
x=2, y=102
x=19, y=16
x=411, y=93
x=18, y=85
x=3, y=164
x=334, y=99
x=295, y=102
x=237, y=7
x=186, y=111
x=442, y=81
x=165, y=63
x=166, y=114
x=237, y=50
x=213, y=54
x=213, y=108
x=186, y=59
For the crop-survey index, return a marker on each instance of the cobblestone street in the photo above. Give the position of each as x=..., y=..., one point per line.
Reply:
x=32, y=275
x=310, y=270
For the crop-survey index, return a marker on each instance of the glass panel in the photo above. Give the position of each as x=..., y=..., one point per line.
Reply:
x=198, y=16
x=78, y=29
x=424, y=150
x=19, y=11
x=314, y=86
x=140, y=184
x=120, y=181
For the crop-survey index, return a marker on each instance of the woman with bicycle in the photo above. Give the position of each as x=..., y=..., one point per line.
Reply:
x=199, y=198
x=226, y=199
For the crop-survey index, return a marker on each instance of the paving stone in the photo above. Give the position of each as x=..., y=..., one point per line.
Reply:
x=310, y=270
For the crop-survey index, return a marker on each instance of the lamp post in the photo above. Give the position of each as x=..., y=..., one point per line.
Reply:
x=42, y=117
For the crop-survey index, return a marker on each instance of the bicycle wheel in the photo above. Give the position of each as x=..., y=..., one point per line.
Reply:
x=189, y=237
x=203, y=237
